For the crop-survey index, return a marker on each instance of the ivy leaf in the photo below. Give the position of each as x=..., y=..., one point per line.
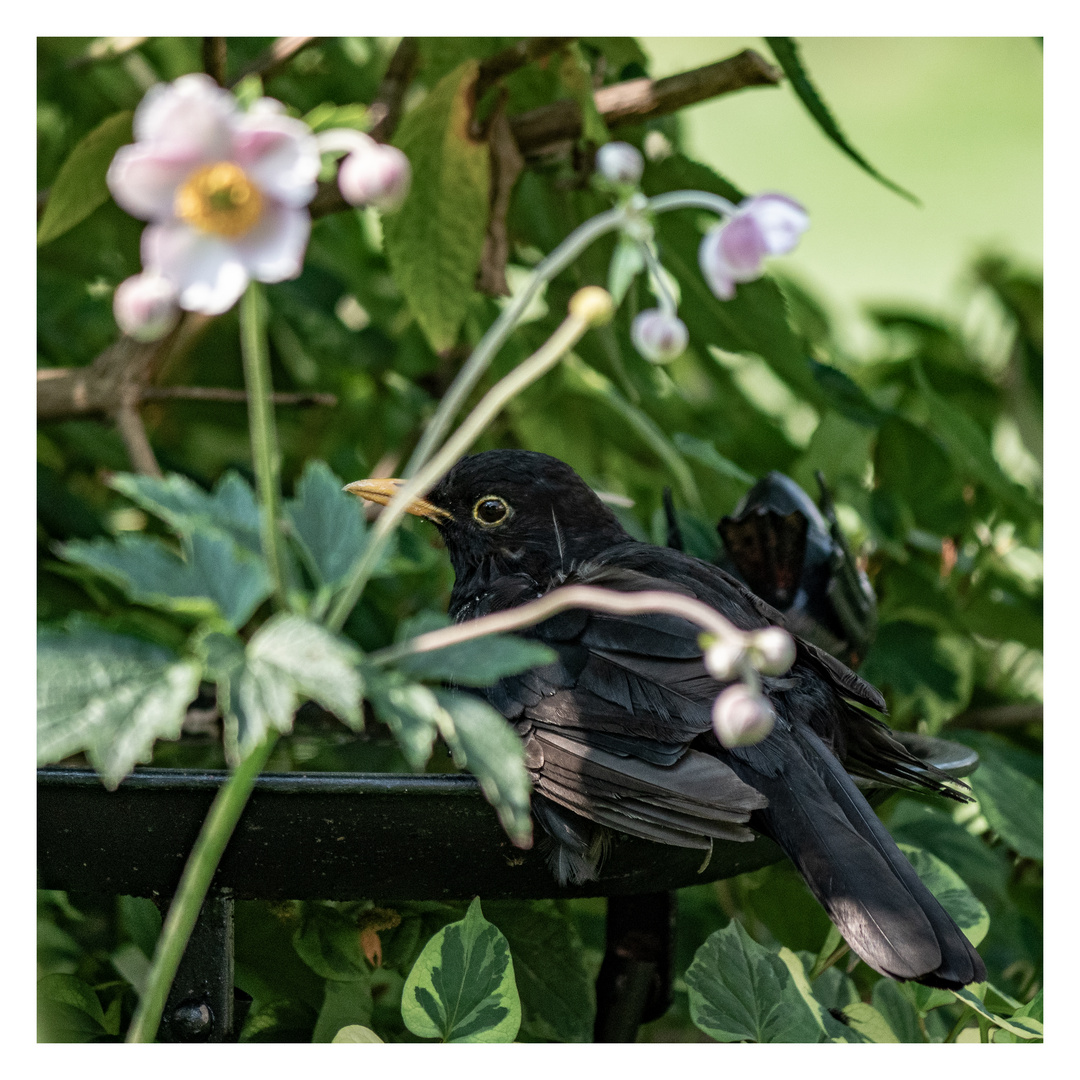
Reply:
x=184, y=505
x=461, y=988
x=484, y=743
x=954, y=896
x=435, y=241
x=80, y=188
x=787, y=56
x=742, y=992
x=480, y=662
x=326, y=523
x=110, y=696
x=288, y=657
x=215, y=577
x=68, y=1011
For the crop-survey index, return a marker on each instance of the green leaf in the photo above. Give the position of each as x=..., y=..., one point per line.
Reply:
x=480, y=662
x=627, y=262
x=787, y=56
x=215, y=577
x=868, y=1022
x=1011, y=801
x=327, y=524
x=954, y=896
x=328, y=941
x=187, y=508
x=288, y=657
x=483, y=742
x=409, y=710
x=576, y=75
x=347, y=1005
x=831, y=1028
x=435, y=241
x=1022, y=1027
x=897, y=1011
x=707, y=454
x=80, y=188
x=742, y=992
x=356, y=1033
x=846, y=396
x=558, y=1001
x=110, y=696
x=461, y=988
x=68, y=1011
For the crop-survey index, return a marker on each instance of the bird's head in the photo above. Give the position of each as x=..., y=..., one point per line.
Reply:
x=511, y=512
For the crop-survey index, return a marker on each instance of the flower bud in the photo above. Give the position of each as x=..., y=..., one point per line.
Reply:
x=772, y=651
x=145, y=306
x=722, y=659
x=375, y=175
x=659, y=337
x=593, y=304
x=620, y=163
x=741, y=717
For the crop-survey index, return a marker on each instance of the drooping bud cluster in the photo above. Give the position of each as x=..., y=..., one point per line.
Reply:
x=772, y=651
x=658, y=336
x=742, y=716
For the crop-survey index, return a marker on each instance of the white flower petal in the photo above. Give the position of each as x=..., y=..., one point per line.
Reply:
x=191, y=112
x=207, y=270
x=280, y=154
x=274, y=249
x=781, y=219
x=144, y=179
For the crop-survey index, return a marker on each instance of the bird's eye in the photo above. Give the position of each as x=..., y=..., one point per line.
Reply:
x=490, y=510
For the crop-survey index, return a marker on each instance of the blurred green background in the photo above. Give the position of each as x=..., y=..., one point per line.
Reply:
x=956, y=121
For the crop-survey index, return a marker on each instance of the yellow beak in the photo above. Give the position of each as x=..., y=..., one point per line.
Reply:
x=382, y=490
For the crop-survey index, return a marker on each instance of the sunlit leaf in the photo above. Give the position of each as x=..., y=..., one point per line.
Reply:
x=951, y=891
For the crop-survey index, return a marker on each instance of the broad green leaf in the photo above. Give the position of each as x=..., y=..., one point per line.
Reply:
x=356, y=1033
x=287, y=658
x=480, y=662
x=215, y=576
x=1011, y=800
x=951, y=892
x=327, y=524
x=907, y=656
x=1033, y=1010
x=187, y=508
x=409, y=710
x=435, y=241
x=80, y=188
x=897, y=1011
x=831, y=1028
x=461, y=988
x=347, y=1004
x=868, y=1022
x=483, y=742
x=68, y=1011
x=110, y=696
x=328, y=941
x=707, y=454
x=558, y=1000
x=787, y=56
x=846, y=396
x=1022, y=1027
x=742, y=992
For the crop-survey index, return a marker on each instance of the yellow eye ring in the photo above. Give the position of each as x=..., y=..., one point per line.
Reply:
x=490, y=511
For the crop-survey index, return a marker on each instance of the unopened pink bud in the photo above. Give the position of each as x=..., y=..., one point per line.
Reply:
x=375, y=175
x=772, y=651
x=145, y=306
x=722, y=659
x=742, y=717
x=659, y=337
x=620, y=163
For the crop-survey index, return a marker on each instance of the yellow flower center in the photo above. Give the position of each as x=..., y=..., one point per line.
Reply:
x=220, y=199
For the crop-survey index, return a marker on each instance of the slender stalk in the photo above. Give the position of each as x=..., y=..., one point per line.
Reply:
x=473, y=369
x=656, y=273
x=266, y=457
x=203, y=861
x=684, y=200
x=527, y=372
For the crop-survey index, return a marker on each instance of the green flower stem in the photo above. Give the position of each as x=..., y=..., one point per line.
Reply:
x=686, y=200
x=203, y=861
x=528, y=371
x=667, y=301
x=474, y=368
x=265, y=453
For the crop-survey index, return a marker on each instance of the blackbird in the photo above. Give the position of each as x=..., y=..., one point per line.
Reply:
x=617, y=730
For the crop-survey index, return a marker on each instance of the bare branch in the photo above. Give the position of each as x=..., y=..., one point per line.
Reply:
x=269, y=63
x=130, y=425
x=506, y=166
x=515, y=57
x=385, y=110
x=214, y=58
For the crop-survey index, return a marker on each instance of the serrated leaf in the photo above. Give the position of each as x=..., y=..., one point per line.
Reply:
x=952, y=893
x=480, y=662
x=216, y=577
x=846, y=396
x=558, y=1001
x=287, y=658
x=186, y=507
x=484, y=743
x=435, y=241
x=742, y=992
x=409, y=710
x=110, y=696
x=68, y=1011
x=461, y=988
x=80, y=188
x=327, y=524
x=787, y=56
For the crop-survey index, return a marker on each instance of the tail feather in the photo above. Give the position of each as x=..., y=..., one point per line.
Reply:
x=854, y=868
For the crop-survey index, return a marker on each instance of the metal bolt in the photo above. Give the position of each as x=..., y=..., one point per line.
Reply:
x=192, y=1021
